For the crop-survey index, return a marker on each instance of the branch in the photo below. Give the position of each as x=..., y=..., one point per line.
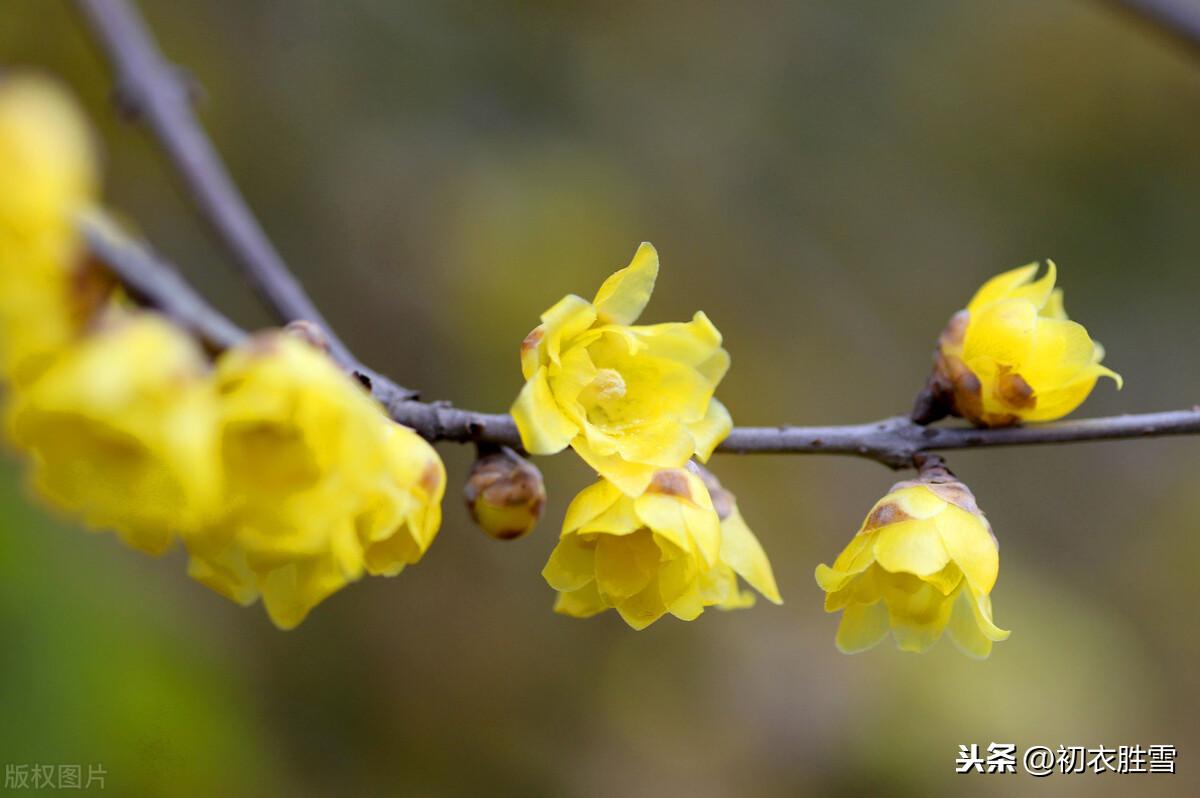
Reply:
x=892, y=441
x=1179, y=20
x=155, y=92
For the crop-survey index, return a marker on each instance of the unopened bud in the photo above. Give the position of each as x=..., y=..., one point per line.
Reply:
x=505, y=494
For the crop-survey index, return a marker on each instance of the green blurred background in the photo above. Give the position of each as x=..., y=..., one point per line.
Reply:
x=828, y=181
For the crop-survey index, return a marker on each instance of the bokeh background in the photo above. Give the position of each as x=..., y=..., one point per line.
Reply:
x=829, y=181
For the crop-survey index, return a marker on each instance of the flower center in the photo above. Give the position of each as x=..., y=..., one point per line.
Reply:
x=608, y=385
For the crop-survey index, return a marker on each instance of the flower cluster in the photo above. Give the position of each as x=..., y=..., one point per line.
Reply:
x=277, y=471
x=636, y=403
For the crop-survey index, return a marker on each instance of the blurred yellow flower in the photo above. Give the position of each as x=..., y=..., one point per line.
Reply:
x=48, y=174
x=404, y=514
x=629, y=399
x=47, y=156
x=662, y=552
x=120, y=429
x=923, y=562
x=1012, y=355
x=319, y=484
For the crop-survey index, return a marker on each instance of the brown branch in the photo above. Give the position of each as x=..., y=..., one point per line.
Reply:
x=153, y=91
x=892, y=441
x=1178, y=20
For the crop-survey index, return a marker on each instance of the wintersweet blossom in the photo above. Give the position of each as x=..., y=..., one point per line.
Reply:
x=924, y=562
x=629, y=399
x=1013, y=355
x=120, y=431
x=319, y=485
x=664, y=551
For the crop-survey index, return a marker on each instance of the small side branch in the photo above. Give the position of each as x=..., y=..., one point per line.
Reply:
x=891, y=441
x=154, y=92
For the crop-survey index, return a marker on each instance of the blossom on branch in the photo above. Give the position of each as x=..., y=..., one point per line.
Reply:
x=923, y=562
x=629, y=399
x=120, y=431
x=664, y=551
x=319, y=485
x=1013, y=355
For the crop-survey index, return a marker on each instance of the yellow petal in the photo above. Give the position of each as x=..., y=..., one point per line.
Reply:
x=743, y=553
x=913, y=547
x=714, y=428
x=971, y=546
x=566, y=319
x=1001, y=287
x=582, y=603
x=625, y=293
x=588, y=504
x=862, y=627
x=981, y=606
x=571, y=566
x=625, y=565
x=643, y=609
x=964, y=631
x=543, y=426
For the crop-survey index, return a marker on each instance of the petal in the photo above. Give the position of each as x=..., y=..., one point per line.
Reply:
x=544, y=428
x=971, y=546
x=913, y=547
x=1039, y=291
x=964, y=631
x=625, y=565
x=1001, y=286
x=742, y=552
x=708, y=433
x=643, y=609
x=630, y=478
x=568, y=318
x=981, y=606
x=862, y=627
x=589, y=503
x=572, y=565
x=582, y=603
x=625, y=293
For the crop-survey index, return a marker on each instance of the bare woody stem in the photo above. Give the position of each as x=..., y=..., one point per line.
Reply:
x=156, y=93
x=891, y=441
x=1178, y=19
x=153, y=91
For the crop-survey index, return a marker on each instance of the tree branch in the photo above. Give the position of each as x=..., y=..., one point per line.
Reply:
x=891, y=441
x=1178, y=20
x=154, y=92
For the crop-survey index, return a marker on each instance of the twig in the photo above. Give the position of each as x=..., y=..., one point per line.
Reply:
x=891, y=441
x=153, y=91
x=1179, y=20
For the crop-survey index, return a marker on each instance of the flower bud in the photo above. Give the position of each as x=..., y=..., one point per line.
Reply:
x=1012, y=355
x=505, y=494
x=923, y=562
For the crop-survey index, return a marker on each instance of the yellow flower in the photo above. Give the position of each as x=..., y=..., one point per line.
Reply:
x=404, y=515
x=47, y=175
x=629, y=399
x=663, y=552
x=47, y=156
x=505, y=494
x=319, y=485
x=923, y=562
x=1012, y=355
x=120, y=430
